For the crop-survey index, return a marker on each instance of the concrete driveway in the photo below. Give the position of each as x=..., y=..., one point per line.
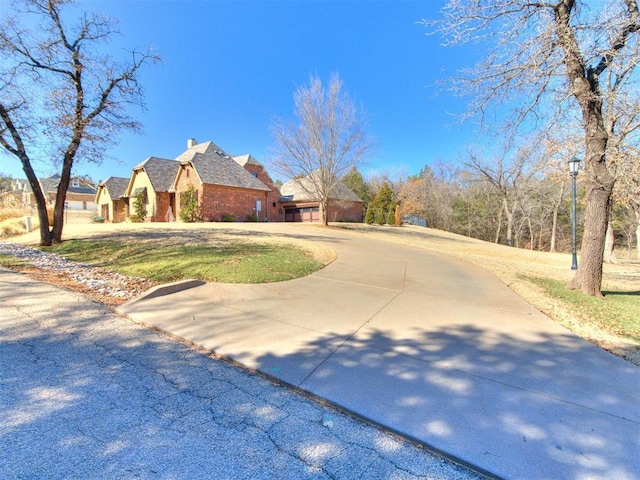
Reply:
x=434, y=348
x=88, y=394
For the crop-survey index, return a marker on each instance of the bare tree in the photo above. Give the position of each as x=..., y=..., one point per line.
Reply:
x=564, y=51
x=476, y=208
x=627, y=191
x=324, y=143
x=555, y=196
x=559, y=143
x=61, y=96
x=508, y=178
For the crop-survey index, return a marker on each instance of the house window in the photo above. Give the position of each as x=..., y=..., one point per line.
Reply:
x=75, y=182
x=255, y=175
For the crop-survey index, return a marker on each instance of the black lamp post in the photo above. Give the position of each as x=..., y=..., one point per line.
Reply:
x=574, y=169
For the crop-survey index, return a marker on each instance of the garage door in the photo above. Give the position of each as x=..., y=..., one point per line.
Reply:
x=309, y=214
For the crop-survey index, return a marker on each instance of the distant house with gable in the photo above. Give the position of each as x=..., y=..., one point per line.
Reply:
x=80, y=194
x=300, y=203
x=112, y=204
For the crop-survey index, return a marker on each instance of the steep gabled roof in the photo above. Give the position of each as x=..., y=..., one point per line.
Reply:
x=206, y=148
x=297, y=190
x=49, y=184
x=161, y=172
x=219, y=169
x=116, y=186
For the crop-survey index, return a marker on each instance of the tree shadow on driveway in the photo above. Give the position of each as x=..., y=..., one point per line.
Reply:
x=554, y=407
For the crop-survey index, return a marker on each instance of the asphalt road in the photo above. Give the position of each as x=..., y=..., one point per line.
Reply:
x=85, y=393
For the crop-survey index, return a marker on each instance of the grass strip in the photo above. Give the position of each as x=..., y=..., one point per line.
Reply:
x=224, y=262
x=618, y=313
x=11, y=262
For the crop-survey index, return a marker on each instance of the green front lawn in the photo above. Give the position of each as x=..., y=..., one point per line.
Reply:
x=225, y=262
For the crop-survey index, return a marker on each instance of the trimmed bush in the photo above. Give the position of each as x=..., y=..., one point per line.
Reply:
x=139, y=207
x=369, y=217
x=189, y=206
x=391, y=215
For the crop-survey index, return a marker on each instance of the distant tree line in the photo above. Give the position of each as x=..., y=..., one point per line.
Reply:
x=524, y=202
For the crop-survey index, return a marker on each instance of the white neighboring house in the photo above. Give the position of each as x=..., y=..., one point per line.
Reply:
x=81, y=193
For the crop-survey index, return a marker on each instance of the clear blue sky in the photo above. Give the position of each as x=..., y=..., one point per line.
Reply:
x=230, y=66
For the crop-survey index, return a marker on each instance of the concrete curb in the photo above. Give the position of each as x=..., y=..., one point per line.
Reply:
x=162, y=290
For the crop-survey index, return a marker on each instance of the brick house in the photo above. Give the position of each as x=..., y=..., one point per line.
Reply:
x=153, y=179
x=301, y=206
x=275, y=213
x=112, y=204
x=224, y=186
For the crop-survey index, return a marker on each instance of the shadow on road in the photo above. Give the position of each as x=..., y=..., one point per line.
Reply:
x=478, y=394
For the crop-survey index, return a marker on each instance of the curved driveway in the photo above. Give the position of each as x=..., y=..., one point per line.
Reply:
x=434, y=348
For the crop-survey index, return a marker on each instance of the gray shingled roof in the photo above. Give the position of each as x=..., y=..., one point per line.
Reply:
x=116, y=186
x=161, y=172
x=218, y=169
x=206, y=148
x=50, y=184
x=296, y=190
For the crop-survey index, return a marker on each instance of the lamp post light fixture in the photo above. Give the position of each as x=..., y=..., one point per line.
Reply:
x=574, y=169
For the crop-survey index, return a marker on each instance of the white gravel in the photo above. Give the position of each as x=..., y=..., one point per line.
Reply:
x=98, y=280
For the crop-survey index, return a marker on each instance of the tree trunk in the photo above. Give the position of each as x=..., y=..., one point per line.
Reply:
x=58, y=209
x=638, y=235
x=609, y=245
x=499, y=228
x=41, y=203
x=510, y=215
x=600, y=183
x=554, y=229
x=554, y=223
x=63, y=186
x=323, y=212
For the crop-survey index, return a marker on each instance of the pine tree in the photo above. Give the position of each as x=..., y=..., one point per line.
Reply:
x=369, y=217
x=391, y=215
